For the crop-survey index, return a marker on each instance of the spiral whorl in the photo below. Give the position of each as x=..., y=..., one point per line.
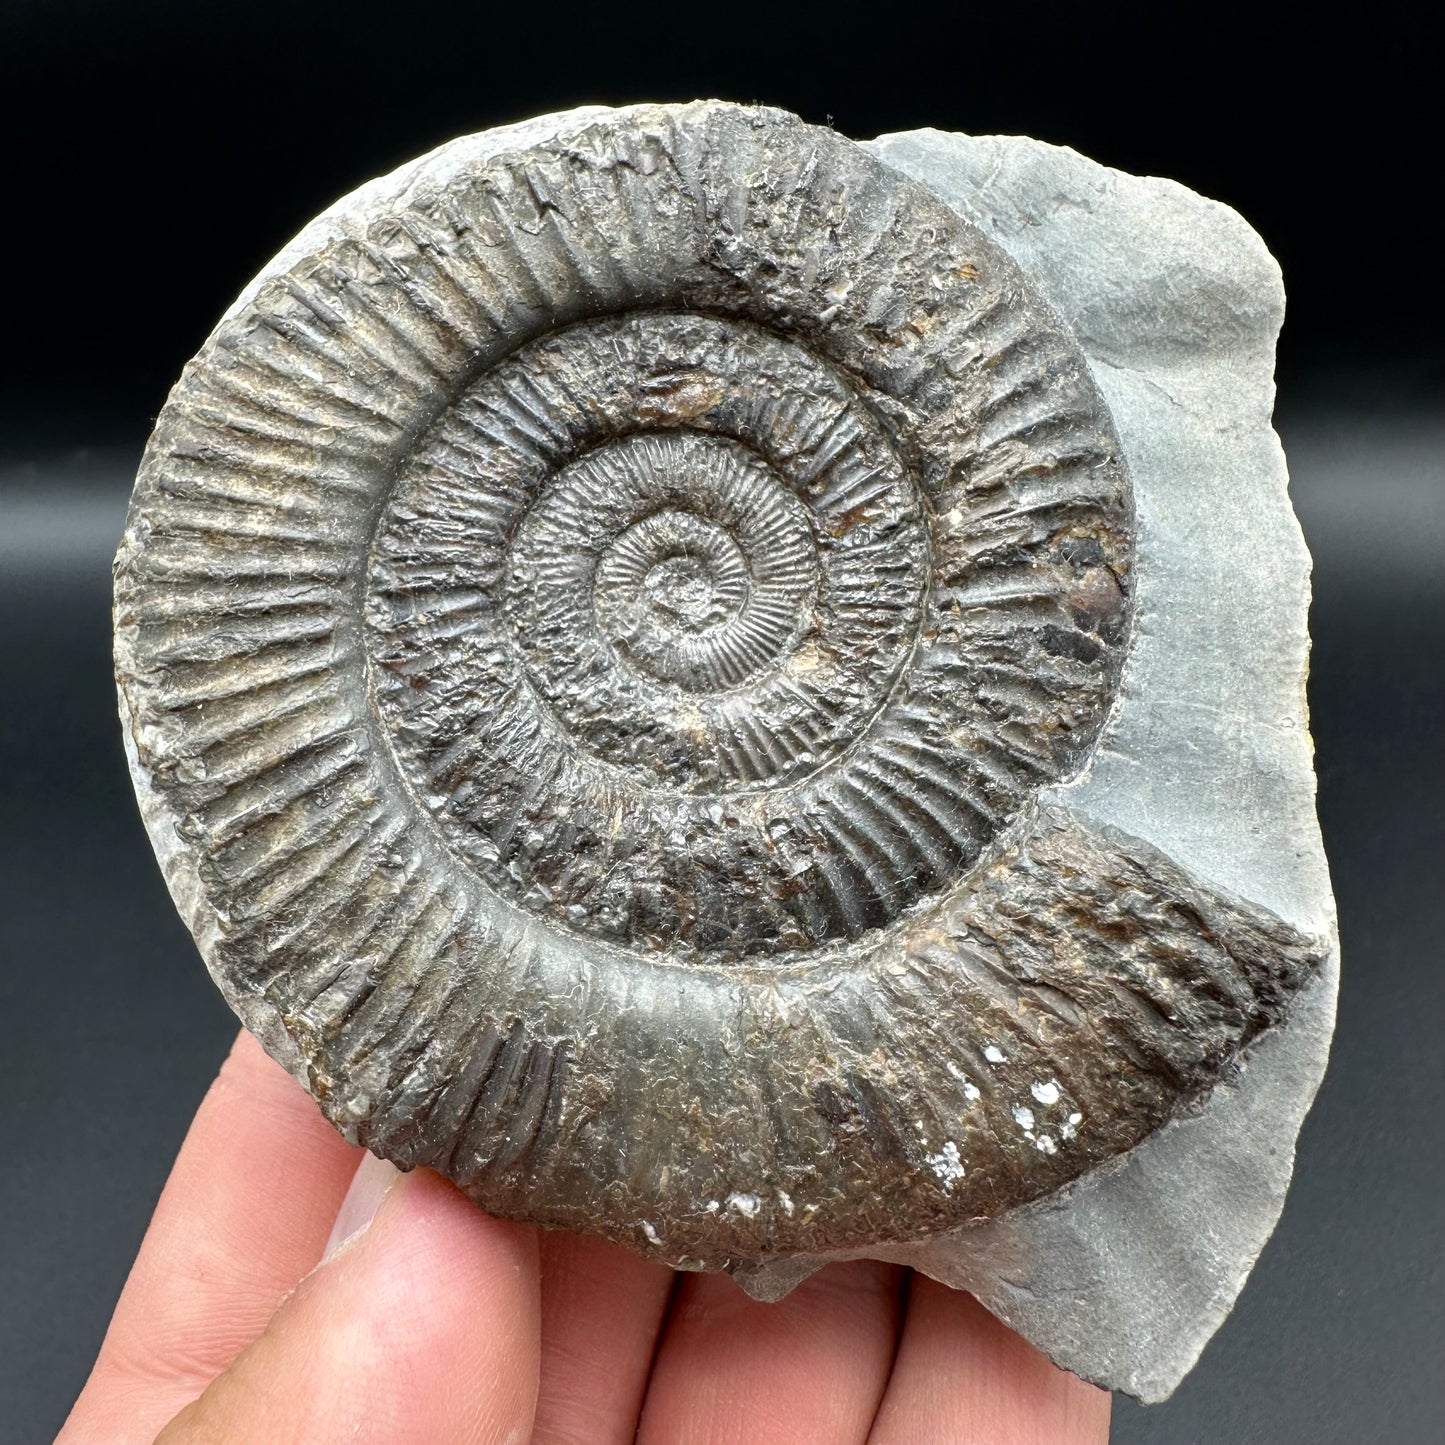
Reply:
x=696, y=676
x=594, y=628
x=665, y=622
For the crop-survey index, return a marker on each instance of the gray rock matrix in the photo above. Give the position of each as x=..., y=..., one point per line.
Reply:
x=743, y=693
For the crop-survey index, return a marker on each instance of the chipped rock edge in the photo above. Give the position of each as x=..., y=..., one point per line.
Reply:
x=1125, y=1276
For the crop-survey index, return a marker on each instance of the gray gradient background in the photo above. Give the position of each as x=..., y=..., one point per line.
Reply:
x=109, y=1027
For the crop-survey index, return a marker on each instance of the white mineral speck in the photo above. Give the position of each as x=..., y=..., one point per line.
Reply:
x=1024, y=1118
x=946, y=1164
x=650, y=1232
x=747, y=1204
x=994, y=1054
x=785, y=1201
x=1046, y=1093
x=1045, y=1144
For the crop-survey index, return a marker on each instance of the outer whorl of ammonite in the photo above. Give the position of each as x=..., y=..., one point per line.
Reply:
x=595, y=625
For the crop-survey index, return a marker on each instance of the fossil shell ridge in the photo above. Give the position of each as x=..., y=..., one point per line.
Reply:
x=595, y=629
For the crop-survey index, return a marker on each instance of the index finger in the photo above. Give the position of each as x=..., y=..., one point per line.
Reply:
x=245, y=1213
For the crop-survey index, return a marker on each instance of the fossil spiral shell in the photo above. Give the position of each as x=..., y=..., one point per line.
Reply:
x=596, y=626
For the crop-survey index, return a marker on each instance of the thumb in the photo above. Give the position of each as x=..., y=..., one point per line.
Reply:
x=420, y=1325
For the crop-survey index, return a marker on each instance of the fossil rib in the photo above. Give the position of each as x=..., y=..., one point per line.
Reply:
x=595, y=626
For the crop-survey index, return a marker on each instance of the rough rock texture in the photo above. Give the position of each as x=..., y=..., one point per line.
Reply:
x=1125, y=1276
x=671, y=686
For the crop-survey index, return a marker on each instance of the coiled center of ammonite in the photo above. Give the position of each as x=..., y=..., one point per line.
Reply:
x=701, y=598
x=677, y=558
x=659, y=636
x=690, y=592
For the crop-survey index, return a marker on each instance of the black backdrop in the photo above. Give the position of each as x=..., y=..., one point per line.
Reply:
x=157, y=152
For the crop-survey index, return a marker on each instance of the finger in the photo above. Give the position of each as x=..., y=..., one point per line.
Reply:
x=962, y=1378
x=420, y=1329
x=244, y=1215
x=811, y=1368
x=602, y=1307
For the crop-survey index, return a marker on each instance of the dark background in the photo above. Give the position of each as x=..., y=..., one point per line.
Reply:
x=156, y=154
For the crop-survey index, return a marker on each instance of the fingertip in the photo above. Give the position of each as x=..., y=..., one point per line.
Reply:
x=244, y=1214
x=372, y=1182
x=602, y=1309
x=428, y=1240
x=811, y=1367
x=423, y=1326
x=962, y=1375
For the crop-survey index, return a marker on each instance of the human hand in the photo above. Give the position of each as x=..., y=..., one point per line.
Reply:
x=429, y=1323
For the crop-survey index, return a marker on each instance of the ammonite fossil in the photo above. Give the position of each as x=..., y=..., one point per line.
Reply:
x=606, y=627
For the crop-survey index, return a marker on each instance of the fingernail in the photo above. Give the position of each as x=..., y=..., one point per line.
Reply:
x=369, y=1186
